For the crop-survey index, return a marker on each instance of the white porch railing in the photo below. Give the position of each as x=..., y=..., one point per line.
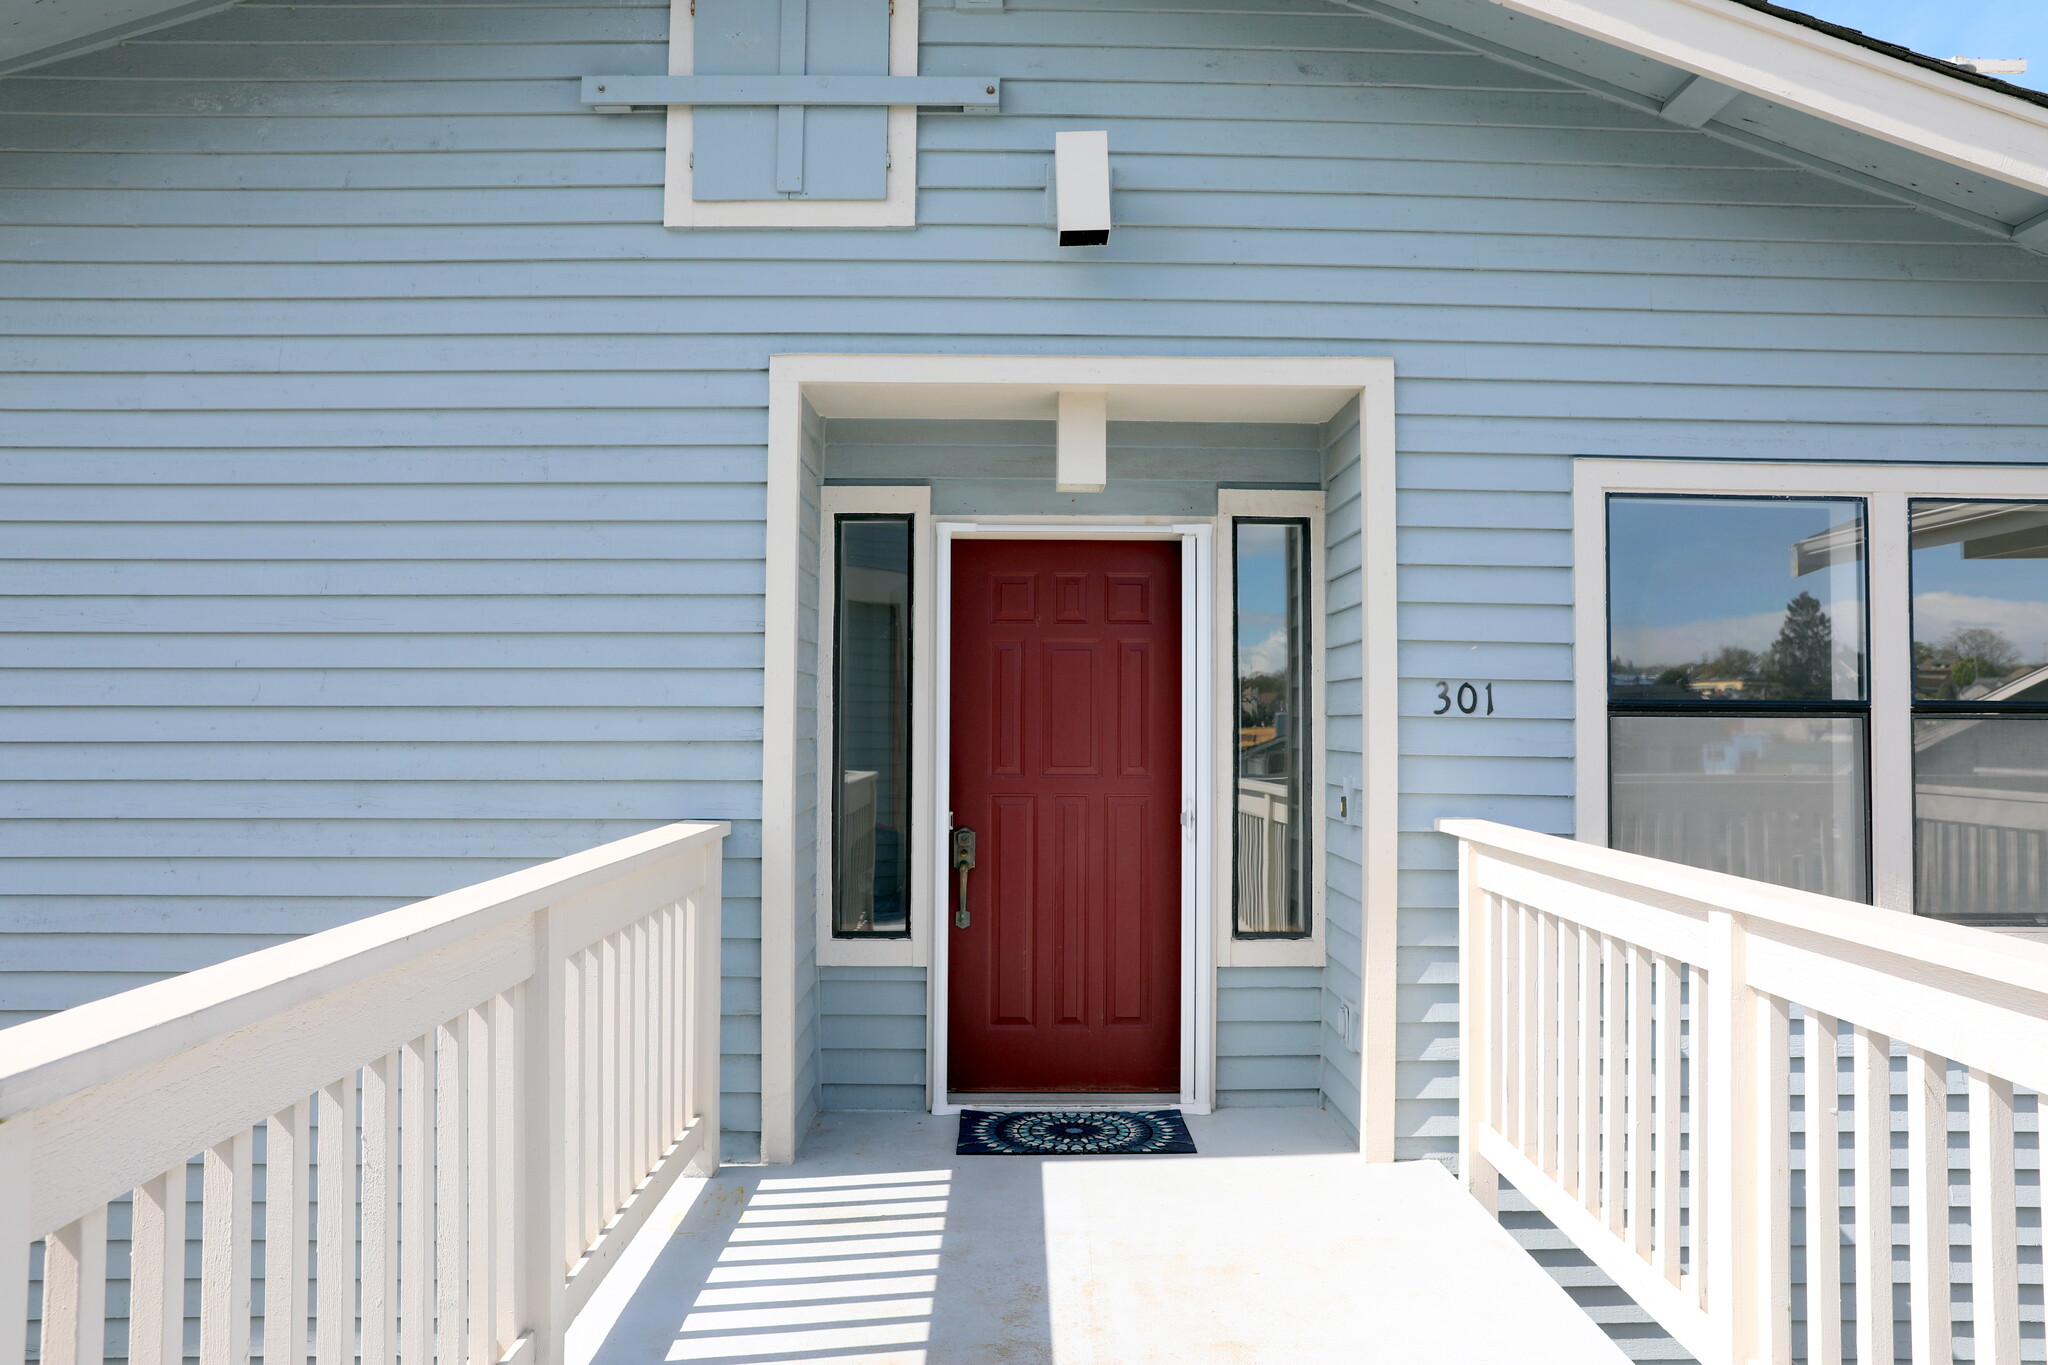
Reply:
x=1628, y=1063
x=454, y=1116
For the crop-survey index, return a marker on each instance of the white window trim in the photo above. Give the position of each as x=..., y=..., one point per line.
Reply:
x=898, y=209
x=1232, y=951
x=1886, y=490
x=916, y=503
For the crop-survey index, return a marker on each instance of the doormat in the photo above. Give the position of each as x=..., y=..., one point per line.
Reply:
x=1074, y=1132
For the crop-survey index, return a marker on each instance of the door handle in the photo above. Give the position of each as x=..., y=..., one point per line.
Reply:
x=963, y=862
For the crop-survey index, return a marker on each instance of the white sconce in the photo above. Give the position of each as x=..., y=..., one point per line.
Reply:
x=1081, y=461
x=1081, y=183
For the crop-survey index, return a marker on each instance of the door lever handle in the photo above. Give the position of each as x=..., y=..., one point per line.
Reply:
x=963, y=862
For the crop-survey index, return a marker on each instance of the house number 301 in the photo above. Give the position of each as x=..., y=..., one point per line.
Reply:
x=1467, y=700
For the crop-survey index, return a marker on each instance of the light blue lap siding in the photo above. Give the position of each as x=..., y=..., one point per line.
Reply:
x=384, y=493
x=872, y=1033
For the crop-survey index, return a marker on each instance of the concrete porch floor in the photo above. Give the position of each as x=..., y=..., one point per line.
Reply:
x=880, y=1247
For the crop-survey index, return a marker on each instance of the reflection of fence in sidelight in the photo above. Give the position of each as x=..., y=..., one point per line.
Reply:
x=457, y=1112
x=1629, y=1063
x=1263, y=866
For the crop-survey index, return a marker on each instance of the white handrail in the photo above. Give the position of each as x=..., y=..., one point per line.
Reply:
x=1627, y=1062
x=467, y=1105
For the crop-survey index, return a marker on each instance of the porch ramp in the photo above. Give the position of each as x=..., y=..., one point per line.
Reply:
x=1273, y=1244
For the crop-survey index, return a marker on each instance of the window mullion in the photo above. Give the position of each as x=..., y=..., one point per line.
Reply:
x=1891, y=703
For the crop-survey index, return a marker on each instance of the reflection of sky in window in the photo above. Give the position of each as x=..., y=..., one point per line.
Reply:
x=1951, y=593
x=1689, y=577
x=1261, y=597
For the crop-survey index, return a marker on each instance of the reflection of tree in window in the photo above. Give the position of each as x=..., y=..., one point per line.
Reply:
x=1799, y=665
x=1720, y=608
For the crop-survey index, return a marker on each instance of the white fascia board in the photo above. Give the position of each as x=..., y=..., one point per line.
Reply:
x=1818, y=74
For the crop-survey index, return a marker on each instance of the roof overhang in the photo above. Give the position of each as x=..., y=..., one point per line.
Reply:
x=1925, y=111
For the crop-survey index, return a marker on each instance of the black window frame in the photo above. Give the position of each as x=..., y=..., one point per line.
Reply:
x=1305, y=783
x=1859, y=709
x=907, y=742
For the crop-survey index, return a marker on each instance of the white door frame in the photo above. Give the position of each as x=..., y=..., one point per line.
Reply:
x=1309, y=389
x=1197, y=650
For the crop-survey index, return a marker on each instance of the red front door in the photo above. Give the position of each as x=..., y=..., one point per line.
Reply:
x=1066, y=738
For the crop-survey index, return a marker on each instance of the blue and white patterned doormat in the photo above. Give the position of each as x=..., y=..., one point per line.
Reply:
x=1074, y=1132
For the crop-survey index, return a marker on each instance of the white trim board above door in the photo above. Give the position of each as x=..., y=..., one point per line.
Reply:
x=1310, y=389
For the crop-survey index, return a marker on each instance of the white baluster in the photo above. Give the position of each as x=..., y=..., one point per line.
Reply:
x=1873, y=1122
x=1927, y=1207
x=1994, y=1242
x=225, y=1251
x=75, y=1291
x=380, y=1210
x=1823, y=1192
x=156, y=1272
x=287, y=1148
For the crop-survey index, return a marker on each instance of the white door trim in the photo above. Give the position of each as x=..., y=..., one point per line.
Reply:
x=1308, y=389
x=1198, y=643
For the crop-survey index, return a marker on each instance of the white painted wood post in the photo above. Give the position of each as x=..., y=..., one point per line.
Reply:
x=1747, y=1224
x=1994, y=1243
x=225, y=1251
x=1873, y=1123
x=1476, y=1060
x=1927, y=1265
x=380, y=1211
x=156, y=1272
x=75, y=1291
x=287, y=1143
x=540, y=1215
x=17, y=1176
x=334, y=1306
x=1823, y=1191
x=707, y=924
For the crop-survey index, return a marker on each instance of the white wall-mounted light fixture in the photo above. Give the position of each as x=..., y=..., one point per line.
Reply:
x=1081, y=183
x=1081, y=461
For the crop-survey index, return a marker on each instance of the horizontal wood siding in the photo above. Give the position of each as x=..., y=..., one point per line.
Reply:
x=871, y=1029
x=384, y=485
x=1268, y=1024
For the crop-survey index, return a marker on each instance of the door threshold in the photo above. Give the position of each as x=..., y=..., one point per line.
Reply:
x=1063, y=1099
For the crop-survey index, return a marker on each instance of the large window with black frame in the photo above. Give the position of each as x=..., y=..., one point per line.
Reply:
x=1738, y=688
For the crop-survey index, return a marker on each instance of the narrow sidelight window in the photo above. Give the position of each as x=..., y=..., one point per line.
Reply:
x=1738, y=700
x=1980, y=711
x=1273, y=741
x=871, y=728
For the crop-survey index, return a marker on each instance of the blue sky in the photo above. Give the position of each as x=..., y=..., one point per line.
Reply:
x=1950, y=28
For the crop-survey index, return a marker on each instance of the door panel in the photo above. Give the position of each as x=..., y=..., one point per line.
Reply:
x=1066, y=742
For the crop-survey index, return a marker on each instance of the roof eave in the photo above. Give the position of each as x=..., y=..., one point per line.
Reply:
x=1962, y=123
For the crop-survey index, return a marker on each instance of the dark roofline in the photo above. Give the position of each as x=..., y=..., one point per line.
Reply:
x=1904, y=54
